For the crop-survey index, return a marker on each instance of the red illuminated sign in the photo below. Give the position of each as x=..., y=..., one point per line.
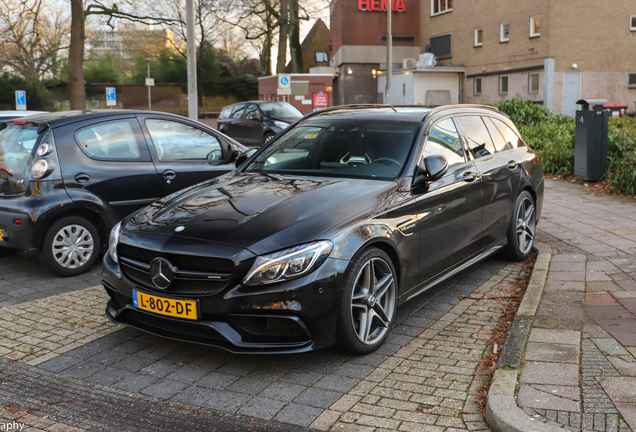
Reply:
x=381, y=5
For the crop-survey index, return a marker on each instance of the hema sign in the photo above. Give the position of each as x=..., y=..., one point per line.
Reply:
x=381, y=5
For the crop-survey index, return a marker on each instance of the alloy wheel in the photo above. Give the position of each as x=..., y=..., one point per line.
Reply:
x=525, y=225
x=73, y=246
x=372, y=301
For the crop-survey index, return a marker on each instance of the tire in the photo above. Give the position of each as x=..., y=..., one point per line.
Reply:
x=267, y=138
x=62, y=236
x=522, y=229
x=362, y=300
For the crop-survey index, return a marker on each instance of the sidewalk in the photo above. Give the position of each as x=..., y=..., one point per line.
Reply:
x=579, y=365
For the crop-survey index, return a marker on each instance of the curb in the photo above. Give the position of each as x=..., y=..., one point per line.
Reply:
x=502, y=412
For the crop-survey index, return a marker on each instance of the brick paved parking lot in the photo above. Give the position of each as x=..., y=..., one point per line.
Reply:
x=65, y=366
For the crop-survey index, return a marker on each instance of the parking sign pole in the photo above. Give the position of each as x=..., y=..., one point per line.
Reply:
x=389, y=53
x=192, y=62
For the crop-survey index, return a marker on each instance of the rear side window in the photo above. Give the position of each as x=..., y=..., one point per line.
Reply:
x=178, y=141
x=114, y=140
x=512, y=139
x=226, y=112
x=498, y=139
x=16, y=144
x=479, y=141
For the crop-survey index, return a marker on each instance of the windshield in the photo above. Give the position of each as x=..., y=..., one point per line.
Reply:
x=16, y=144
x=340, y=148
x=280, y=110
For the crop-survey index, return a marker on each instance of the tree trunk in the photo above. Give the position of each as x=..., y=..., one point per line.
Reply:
x=281, y=61
x=266, y=55
x=76, y=84
x=294, y=38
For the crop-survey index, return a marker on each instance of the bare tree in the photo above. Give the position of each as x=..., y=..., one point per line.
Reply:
x=34, y=34
x=79, y=13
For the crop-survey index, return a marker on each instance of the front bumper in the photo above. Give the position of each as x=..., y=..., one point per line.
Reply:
x=287, y=317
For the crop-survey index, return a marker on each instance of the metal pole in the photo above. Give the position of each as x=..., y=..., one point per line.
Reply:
x=389, y=52
x=149, y=101
x=192, y=62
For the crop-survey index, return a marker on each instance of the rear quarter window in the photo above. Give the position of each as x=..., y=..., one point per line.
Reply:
x=226, y=112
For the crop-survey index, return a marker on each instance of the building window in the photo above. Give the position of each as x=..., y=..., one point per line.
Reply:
x=535, y=26
x=533, y=83
x=632, y=80
x=503, y=84
x=504, y=32
x=442, y=46
x=477, y=87
x=632, y=23
x=441, y=6
x=321, y=57
x=479, y=37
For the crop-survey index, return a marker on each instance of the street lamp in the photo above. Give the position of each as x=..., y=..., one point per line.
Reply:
x=149, y=99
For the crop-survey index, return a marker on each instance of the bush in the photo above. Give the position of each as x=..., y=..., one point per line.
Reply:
x=38, y=97
x=621, y=155
x=524, y=112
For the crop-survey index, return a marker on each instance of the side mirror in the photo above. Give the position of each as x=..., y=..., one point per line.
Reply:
x=431, y=168
x=243, y=157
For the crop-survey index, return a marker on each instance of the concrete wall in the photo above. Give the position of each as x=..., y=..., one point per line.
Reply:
x=517, y=88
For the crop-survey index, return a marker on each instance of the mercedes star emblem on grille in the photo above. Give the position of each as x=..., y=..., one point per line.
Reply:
x=161, y=273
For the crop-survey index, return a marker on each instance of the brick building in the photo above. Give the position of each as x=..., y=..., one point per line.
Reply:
x=303, y=89
x=553, y=52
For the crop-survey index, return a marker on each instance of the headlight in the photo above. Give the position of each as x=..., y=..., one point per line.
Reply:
x=113, y=241
x=281, y=124
x=288, y=264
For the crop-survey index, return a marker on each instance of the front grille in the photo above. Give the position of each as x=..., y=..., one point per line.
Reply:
x=184, y=262
x=166, y=325
x=220, y=268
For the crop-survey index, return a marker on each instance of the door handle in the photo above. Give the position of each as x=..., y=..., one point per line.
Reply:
x=469, y=176
x=82, y=177
x=169, y=174
x=512, y=165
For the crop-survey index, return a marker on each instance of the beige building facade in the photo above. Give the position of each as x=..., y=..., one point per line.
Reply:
x=553, y=52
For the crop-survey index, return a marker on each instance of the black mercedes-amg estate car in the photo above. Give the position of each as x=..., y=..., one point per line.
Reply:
x=318, y=237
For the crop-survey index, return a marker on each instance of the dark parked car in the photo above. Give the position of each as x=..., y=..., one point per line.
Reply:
x=67, y=178
x=322, y=233
x=255, y=123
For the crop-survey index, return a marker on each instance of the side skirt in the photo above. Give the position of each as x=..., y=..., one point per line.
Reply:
x=453, y=272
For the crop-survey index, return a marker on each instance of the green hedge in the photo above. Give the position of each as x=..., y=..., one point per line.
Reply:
x=552, y=137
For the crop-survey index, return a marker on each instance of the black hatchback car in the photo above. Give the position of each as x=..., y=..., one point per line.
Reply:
x=67, y=178
x=255, y=123
x=322, y=233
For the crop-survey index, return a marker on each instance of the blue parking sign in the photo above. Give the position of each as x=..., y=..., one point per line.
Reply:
x=20, y=100
x=111, y=96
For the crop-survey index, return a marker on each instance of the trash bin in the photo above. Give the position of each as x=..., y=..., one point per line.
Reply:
x=616, y=110
x=590, y=142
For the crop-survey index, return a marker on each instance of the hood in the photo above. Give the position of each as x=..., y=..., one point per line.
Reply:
x=262, y=213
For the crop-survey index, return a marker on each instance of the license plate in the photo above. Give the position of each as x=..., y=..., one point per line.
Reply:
x=165, y=306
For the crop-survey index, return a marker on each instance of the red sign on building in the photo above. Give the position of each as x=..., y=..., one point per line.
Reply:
x=381, y=5
x=320, y=100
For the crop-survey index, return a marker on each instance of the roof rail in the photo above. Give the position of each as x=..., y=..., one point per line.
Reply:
x=341, y=107
x=446, y=107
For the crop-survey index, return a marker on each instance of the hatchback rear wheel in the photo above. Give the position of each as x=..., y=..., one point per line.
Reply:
x=70, y=247
x=368, y=303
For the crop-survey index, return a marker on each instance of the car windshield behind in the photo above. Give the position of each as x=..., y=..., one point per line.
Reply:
x=373, y=149
x=280, y=110
x=16, y=144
